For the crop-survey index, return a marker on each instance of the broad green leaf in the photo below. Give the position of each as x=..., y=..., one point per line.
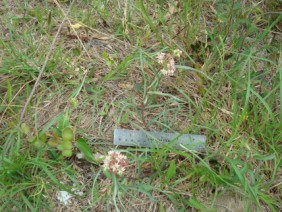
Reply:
x=67, y=153
x=67, y=145
x=67, y=134
x=85, y=149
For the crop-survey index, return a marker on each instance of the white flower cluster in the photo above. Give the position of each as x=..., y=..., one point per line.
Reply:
x=167, y=61
x=161, y=58
x=177, y=52
x=115, y=162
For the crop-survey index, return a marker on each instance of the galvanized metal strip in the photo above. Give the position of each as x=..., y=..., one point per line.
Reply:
x=124, y=137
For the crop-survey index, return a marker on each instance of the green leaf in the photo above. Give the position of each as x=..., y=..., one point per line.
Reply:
x=53, y=154
x=124, y=118
x=32, y=139
x=38, y=14
x=105, y=110
x=67, y=153
x=105, y=55
x=119, y=69
x=171, y=171
x=77, y=90
x=195, y=70
x=64, y=122
x=144, y=187
x=53, y=143
x=25, y=128
x=196, y=204
x=66, y=145
x=60, y=147
x=10, y=92
x=85, y=149
x=67, y=134
x=138, y=87
x=108, y=60
x=108, y=174
x=43, y=137
x=27, y=202
x=161, y=207
x=50, y=124
x=39, y=144
x=76, y=51
x=49, y=18
x=263, y=157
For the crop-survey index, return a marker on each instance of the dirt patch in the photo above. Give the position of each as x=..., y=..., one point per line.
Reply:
x=232, y=202
x=229, y=202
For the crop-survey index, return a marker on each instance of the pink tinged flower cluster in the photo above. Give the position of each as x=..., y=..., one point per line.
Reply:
x=161, y=58
x=168, y=63
x=171, y=67
x=115, y=162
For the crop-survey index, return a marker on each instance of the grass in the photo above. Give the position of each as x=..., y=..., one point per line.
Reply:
x=103, y=74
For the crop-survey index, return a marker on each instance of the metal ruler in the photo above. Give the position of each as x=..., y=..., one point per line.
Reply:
x=138, y=138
